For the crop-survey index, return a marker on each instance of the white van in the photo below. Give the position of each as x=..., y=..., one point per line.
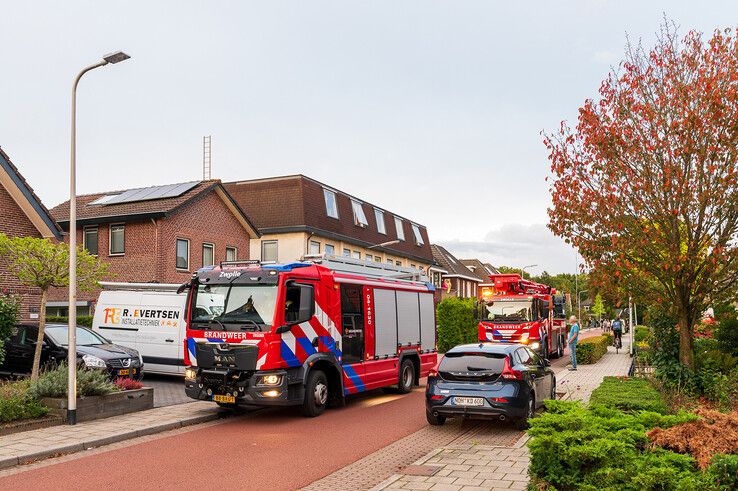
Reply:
x=149, y=317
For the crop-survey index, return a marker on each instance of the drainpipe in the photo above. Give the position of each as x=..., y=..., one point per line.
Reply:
x=157, y=265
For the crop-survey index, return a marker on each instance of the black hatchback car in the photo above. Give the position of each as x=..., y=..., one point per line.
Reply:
x=93, y=351
x=502, y=381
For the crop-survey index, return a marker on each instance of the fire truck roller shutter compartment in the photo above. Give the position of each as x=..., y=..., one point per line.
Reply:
x=385, y=327
x=427, y=322
x=408, y=318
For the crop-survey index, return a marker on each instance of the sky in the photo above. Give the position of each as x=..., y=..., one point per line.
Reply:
x=431, y=109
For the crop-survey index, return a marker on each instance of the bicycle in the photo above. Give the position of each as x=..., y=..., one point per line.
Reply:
x=617, y=340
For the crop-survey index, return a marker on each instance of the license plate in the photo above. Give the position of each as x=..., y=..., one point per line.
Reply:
x=468, y=401
x=219, y=398
x=123, y=372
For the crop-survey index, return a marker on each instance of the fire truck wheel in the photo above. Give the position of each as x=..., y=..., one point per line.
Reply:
x=407, y=377
x=316, y=394
x=434, y=420
x=560, y=348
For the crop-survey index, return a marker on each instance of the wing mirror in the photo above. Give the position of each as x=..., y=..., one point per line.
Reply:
x=183, y=287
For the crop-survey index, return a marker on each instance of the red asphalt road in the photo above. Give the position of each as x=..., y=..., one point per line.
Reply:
x=275, y=449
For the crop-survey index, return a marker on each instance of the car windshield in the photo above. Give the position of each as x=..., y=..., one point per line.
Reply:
x=85, y=337
x=508, y=311
x=472, y=362
x=231, y=307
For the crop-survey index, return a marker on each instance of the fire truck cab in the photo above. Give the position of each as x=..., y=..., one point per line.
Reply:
x=307, y=333
x=521, y=311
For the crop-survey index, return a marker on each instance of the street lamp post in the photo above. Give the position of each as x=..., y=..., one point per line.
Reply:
x=579, y=305
x=384, y=244
x=522, y=270
x=111, y=58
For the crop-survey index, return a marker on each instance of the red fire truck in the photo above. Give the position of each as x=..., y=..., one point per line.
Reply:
x=522, y=311
x=307, y=333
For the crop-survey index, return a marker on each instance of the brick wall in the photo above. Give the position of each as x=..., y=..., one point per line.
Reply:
x=150, y=246
x=15, y=223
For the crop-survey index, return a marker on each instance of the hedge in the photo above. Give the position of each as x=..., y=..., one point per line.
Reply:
x=628, y=394
x=641, y=333
x=456, y=323
x=16, y=403
x=590, y=350
x=82, y=320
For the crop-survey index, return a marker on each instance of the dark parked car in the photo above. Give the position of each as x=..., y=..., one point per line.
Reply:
x=502, y=381
x=93, y=351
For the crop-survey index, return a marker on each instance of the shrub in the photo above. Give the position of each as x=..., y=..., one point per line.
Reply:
x=53, y=383
x=715, y=433
x=727, y=335
x=456, y=323
x=590, y=350
x=82, y=320
x=723, y=471
x=124, y=383
x=628, y=394
x=574, y=447
x=16, y=403
x=641, y=333
x=9, y=308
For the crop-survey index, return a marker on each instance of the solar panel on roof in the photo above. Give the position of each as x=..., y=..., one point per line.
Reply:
x=149, y=193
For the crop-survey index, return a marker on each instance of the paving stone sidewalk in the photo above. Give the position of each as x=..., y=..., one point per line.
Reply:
x=29, y=446
x=473, y=467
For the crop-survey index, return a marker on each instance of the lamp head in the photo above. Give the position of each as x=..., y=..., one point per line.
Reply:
x=116, y=57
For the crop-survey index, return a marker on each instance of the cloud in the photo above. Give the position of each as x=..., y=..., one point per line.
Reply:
x=518, y=245
x=606, y=56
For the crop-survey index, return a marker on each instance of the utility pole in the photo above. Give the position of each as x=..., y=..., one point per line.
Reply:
x=630, y=322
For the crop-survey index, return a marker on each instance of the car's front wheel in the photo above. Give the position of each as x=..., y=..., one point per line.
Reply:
x=434, y=420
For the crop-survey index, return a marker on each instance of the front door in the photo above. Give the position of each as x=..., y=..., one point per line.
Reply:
x=352, y=321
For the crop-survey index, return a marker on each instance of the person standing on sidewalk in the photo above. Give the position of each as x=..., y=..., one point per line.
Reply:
x=573, y=339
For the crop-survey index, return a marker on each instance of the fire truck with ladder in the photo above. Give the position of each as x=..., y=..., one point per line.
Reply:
x=306, y=334
x=516, y=310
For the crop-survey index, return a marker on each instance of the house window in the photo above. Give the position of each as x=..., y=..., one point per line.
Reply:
x=377, y=259
x=183, y=254
x=89, y=240
x=379, y=215
x=330, y=249
x=208, y=255
x=398, y=263
x=399, y=228
x=231, y=253
x=356, y=255
x=347, y=252
x=117, y=240
x=418, y=237
x=331, y=207
x=389, y=260
x=269, y=250
x=314, y=247
x=359, y=217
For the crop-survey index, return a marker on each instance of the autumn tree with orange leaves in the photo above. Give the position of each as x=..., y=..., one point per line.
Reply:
x=646, y=184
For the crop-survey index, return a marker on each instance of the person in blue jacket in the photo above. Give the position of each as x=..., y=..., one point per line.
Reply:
x=573, y=339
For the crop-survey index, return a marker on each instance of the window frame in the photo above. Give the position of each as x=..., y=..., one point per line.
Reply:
x=310, y=246
x=235, y=253
x=345, y=251
x=333, y=249
x=110, y=239
x=177, y=240
x=212, y=248
x=329, y=192
x=360, y=219
x=96, y=228
x=399, y=229
x=379, y=218
x=276, y=248
x=416, y=234
x=355, y=254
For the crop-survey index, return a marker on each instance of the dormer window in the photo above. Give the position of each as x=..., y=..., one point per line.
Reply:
x=399, y=228
x=379, y=216
x=359, y=216
x=418, y=237
x=331, y=207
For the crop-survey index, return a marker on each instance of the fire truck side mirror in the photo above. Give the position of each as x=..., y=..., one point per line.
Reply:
x=183, y=287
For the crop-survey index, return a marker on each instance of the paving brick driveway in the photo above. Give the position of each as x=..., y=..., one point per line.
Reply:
x=168, y=389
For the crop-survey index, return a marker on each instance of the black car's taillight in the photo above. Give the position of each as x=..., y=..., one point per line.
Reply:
x=508, y=373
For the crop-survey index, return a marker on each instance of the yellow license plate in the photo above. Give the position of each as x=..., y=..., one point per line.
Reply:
x=123, y=372
x=219, y=398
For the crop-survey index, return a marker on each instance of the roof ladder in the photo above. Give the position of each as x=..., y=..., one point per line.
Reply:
x=345, y=264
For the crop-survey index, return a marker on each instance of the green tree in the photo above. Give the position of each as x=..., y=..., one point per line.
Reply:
x=9, y=308
x=599, y=307
x=44, y=264
x=456, y=322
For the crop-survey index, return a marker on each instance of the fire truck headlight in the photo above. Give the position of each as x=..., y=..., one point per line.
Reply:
x=535, y=345
x=270, y=380
x=271, y=393
x=190, y=373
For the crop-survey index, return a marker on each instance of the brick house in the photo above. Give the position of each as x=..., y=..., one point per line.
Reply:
x=22, y=215
x=458, y=280
x=482, y=271
x=159, y=234
x=297, y=215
